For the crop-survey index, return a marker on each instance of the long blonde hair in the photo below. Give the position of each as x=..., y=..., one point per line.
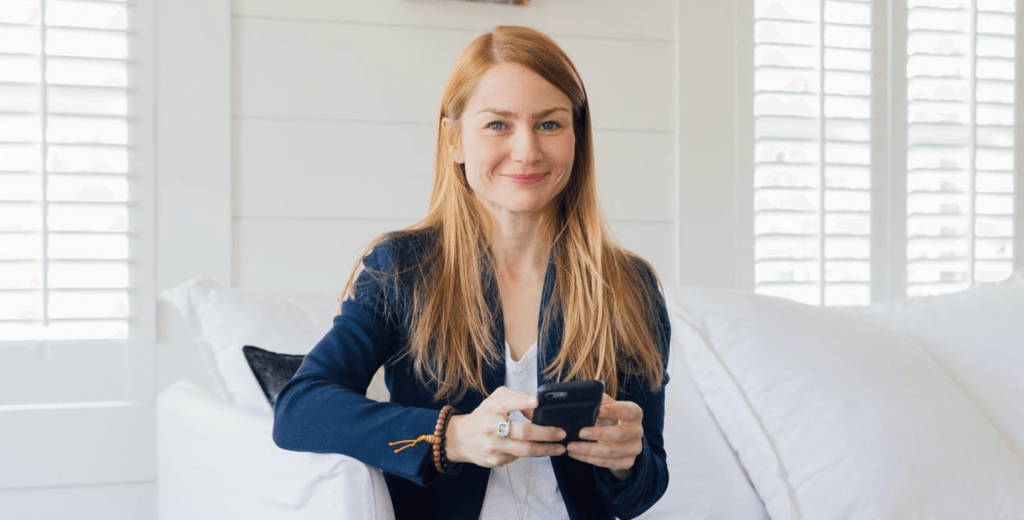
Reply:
x=611, y=325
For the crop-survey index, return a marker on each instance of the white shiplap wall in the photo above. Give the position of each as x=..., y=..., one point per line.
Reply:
x=335, y=107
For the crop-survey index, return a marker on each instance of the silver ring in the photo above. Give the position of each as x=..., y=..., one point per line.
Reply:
x=503, y=428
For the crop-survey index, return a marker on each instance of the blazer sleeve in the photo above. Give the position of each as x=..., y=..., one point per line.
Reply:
x=648, y=481
x=323, y=408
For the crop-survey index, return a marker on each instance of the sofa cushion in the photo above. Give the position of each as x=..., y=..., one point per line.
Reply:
x=271, y=369
x=706, y=480
x=977, y=337
x=221, y=320
x=834, y=416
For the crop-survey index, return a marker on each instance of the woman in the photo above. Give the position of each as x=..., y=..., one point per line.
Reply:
x=513, y=234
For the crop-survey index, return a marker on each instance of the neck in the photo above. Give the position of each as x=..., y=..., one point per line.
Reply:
x=518, y=246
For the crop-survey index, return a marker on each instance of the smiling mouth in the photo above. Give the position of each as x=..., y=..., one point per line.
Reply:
x=528, y=177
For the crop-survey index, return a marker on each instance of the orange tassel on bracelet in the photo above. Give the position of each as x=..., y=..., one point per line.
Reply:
x=436, y=441
x=429, y=438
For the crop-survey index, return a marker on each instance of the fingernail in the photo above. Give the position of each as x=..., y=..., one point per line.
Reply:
x=561, y=435
x=584, y=434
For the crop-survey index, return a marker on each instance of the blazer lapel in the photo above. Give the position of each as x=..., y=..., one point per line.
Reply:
x=495, y=376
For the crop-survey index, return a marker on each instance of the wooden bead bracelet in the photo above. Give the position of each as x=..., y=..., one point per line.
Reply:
x=441, y=462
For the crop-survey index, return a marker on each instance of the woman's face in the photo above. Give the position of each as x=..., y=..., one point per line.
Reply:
x=515, y=124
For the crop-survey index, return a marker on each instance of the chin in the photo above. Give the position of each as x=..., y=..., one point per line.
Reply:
x=521, y=206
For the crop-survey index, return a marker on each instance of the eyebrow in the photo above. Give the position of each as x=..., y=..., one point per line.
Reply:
x=538, y=115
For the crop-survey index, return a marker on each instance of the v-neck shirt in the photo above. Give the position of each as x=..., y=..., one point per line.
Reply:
x=506, y=496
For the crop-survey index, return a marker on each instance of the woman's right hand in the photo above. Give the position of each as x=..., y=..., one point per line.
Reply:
x=474, y=437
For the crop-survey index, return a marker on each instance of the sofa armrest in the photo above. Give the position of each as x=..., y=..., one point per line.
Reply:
x=218, y=461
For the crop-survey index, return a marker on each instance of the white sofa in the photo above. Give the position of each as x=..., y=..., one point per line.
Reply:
x=774, y=410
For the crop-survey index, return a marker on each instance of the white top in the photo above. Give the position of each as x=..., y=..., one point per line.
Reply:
x=505, y=501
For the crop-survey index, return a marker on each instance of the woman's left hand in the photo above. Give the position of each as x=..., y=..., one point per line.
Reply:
x=619, y=435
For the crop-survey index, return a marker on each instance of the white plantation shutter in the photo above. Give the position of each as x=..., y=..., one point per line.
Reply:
x=64, y=255
x=75, y=209
x=813, y=164
x=960, y=158
x=812, y=132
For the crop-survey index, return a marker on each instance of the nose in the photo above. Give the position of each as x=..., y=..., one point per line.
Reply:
x=526, y=148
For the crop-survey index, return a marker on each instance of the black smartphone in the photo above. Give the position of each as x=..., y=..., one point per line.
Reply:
x=569, y=406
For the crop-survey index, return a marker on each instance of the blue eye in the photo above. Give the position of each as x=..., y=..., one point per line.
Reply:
x=490, y=125
x=557, y=126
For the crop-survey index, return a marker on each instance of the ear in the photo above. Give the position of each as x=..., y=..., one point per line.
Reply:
x=451, y=137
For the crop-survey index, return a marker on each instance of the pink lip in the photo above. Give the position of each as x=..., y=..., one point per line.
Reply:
x=527, y=179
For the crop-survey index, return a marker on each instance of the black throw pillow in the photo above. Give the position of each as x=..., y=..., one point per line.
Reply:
x=272, y=370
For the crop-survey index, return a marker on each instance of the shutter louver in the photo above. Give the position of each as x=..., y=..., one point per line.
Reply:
x=961, y=59
x=65, y=173
x=812, y=161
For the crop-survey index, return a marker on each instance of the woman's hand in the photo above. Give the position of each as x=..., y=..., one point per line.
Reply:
x=619, y=435
x=474, y=437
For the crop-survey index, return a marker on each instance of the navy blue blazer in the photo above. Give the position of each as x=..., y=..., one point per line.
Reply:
x=323, y=409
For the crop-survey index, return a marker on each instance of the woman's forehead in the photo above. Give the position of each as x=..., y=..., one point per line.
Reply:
x=515, y=91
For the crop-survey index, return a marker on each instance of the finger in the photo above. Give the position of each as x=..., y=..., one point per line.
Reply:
x=498, y=460
x=504, y=400
x=605, y=450
x=532, y=449
x=528, y=413
x=622, y=411
x=606, y=399
x=610, y=433
x=523, y=431
x=604, y=463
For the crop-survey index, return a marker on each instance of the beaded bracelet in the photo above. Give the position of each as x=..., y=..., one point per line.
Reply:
x=436, y=440
x=442, y=421
x=448, y=466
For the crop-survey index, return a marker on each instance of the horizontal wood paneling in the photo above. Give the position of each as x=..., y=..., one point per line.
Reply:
x=634, y=175
x=292, y=256
x=646, y=20
x=332, y=70
x=134, y=501
x=337, y=169
x=75, y=445
x=61, y=373
x=653, y=241
x=629, y=84
x=315, y=256
x=330, y=169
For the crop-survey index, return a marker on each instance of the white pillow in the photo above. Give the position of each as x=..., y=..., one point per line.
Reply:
x=835, y=417
x=977, y=337
x=221, y=320
x=706, y=481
